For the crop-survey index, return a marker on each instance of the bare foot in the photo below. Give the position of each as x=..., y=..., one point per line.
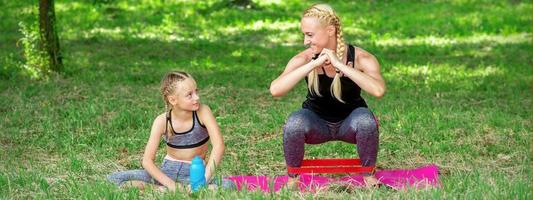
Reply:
x=135, y=184
x=371, y=182
x=293, y=183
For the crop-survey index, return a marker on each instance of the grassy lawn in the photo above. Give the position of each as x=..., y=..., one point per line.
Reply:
x=458, y=76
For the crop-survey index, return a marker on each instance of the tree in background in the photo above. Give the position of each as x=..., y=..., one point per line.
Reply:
x=48, y=35
x=242, y=3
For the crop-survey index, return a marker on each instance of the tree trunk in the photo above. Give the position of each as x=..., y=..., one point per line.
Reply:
x=48, y=35
x=242, y=3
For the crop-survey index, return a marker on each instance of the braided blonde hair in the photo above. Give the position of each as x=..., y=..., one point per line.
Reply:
x=169, y=84
x=327, y=16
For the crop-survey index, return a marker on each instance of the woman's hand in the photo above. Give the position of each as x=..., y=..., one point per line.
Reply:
x=322, y=59
x=333, y=59
x=297, y=69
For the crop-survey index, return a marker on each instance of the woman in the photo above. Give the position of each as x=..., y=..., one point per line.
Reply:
x=335, y=73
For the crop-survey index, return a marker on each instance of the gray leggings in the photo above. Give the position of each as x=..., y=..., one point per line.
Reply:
x=175, y=170
x=305, y=126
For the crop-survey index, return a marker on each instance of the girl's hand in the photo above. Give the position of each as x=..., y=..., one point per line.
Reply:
x=188, y=188
x=171, y=188
x=207, y=178
x=162, y=188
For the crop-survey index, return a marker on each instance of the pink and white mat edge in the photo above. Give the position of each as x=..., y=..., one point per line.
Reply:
x=418, y=178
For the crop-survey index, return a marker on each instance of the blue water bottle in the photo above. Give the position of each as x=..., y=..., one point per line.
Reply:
x=197, y=173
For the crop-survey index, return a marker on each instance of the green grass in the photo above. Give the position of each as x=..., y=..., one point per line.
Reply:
x=458, y=76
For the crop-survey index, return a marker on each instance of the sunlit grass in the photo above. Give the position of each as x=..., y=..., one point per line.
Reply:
x=458, y=77
x=516, y=38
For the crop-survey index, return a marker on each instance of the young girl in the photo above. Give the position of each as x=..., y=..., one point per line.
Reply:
x=186, y=128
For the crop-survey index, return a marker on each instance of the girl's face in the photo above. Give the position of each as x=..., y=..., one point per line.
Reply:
x=316, y=35
x=186, y=96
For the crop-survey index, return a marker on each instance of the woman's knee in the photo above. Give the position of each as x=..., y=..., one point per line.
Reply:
x=362, y=120
x=298, y=123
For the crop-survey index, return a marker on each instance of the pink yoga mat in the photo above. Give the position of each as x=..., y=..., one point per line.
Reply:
x=422, y=177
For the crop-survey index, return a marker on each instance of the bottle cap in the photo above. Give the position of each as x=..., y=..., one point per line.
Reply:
x=197, y=160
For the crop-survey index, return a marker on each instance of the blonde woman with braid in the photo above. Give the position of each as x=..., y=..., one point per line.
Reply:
x=335, y=73
x=186, y=127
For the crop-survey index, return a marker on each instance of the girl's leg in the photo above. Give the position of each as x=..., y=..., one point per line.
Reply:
x=176, y=170
x=136, y=184
x=180, y=172
x=302, y=126
x=130, y=178
x=139, y=178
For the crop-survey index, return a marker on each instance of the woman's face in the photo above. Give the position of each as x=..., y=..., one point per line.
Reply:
x=316, y=35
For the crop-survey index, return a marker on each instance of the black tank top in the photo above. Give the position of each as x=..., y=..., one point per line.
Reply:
x=327, y=106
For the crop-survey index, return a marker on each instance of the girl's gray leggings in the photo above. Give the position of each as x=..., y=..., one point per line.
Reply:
x=177, y=171
x=305, y=126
